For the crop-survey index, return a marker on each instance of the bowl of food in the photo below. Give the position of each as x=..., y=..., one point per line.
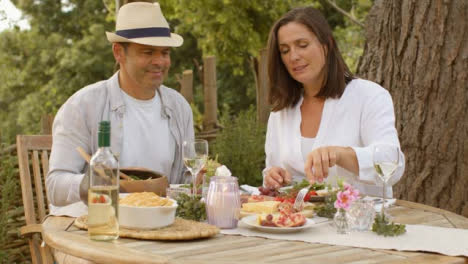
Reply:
x=143, y=180
x=146, y=210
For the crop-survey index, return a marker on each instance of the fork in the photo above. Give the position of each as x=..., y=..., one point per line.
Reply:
x=299, y=203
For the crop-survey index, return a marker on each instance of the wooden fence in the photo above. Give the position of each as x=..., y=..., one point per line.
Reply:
x=208, y=77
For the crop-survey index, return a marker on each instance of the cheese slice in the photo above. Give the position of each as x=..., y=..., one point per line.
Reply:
x=267, y=207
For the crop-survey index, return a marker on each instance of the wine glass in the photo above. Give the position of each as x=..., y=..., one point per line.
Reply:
x=195, y=154
x=385, y=158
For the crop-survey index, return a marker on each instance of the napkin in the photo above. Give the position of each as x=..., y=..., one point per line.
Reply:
x=74, y=210
x=223, y=171
x=250, y=189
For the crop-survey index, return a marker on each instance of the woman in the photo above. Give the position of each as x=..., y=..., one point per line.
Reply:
x=324, y=121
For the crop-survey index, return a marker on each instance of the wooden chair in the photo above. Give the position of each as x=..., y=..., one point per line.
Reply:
x=33, y=152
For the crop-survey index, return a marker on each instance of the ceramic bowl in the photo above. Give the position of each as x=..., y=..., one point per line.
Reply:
x=136, y=217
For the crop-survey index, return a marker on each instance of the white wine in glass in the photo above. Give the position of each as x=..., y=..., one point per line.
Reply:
x=195, y=154
x=385, y=158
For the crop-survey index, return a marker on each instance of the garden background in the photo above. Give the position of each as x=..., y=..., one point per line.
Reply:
x=418, y=50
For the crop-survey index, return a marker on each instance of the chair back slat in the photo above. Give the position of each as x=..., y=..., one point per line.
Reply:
x=33, y=156
x=28, y=148
x=45, y=171
x=25, y=179
x=38, y=183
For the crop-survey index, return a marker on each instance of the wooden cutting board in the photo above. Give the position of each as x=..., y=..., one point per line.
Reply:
x=181, y=229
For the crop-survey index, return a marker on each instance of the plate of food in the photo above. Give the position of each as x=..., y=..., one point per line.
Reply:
x=317, y=191
x=255, y=205
x=275, y=224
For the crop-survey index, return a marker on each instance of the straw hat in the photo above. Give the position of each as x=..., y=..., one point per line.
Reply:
x=143, y=23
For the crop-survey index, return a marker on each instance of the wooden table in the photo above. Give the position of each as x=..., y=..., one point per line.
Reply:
x=239, y=249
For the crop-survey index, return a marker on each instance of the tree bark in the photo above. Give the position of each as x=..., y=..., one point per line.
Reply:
x=418, y=50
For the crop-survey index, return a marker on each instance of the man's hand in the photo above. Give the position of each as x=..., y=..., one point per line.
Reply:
x=276, y=177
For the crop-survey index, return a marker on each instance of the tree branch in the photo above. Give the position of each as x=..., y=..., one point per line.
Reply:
x=353, y=19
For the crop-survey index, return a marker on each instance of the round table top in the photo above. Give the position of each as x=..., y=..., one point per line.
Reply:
x=59, y=234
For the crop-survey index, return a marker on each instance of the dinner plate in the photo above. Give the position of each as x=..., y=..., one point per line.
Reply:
x=306, y=213
x=251, y=221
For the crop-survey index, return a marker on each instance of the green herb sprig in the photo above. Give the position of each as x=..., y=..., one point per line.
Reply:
x=383, y=227
x=190, y=208
x=328, y=209
x=304, y=183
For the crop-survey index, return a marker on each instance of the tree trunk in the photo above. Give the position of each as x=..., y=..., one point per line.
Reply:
x=418, y=50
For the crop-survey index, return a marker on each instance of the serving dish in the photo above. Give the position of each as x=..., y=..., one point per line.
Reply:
x=148, y=217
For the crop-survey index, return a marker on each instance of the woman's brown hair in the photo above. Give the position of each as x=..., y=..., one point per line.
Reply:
x=284, y=90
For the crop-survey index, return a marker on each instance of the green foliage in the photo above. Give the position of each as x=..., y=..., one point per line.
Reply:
x=240, y=146
x=9, y=195
x=64, y=50
x=328, y=209
x=197, y=118
x=74, y=67
x=208, y=29
x=190, y=208
x=383, y=227
x=350, y=36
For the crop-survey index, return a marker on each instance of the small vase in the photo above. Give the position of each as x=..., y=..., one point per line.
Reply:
x=341, y=222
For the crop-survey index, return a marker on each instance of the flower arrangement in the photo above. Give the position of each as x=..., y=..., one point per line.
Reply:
x=341, y=199
x=345, y=197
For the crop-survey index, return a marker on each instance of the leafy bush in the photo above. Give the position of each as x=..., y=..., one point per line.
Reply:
x=9, y=195
x=240, y=146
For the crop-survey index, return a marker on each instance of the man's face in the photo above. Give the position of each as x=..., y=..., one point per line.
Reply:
x=146, y=66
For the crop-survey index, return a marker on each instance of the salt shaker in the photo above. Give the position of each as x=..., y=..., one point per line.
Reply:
x=223, y=202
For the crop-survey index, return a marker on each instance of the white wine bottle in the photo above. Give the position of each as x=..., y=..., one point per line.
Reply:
x=103, y=193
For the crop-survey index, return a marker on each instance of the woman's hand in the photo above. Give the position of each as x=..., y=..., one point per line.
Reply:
x=320, y=159
x=276, y=177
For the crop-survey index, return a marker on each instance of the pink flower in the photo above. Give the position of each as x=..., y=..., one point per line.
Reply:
x=343, y=200
x=346, y=197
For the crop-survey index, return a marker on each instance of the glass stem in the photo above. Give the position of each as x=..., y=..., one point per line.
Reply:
x=194, y=182
x=383, y=200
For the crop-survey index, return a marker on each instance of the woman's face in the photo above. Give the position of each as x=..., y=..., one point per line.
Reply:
x=302, y=53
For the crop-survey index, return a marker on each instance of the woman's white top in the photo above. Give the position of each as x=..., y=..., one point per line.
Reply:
x=361, y=118
x=306, y=145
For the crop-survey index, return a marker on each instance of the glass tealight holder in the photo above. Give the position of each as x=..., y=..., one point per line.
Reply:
x=223, y=202
x=361, y=215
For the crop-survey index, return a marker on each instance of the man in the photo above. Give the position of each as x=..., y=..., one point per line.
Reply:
x=149, y=121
